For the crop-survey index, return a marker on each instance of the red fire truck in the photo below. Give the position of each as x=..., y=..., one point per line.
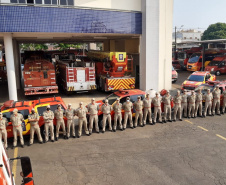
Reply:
x=113, y=70
x=39, y=76
x=76, y=74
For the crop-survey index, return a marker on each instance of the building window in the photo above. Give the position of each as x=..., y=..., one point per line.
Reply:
x=38, y=1
x=54, y=2
x=184, y=38
x=13, y=1
x=22, y=1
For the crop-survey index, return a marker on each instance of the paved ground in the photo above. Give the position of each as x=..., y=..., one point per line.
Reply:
x=189, y=152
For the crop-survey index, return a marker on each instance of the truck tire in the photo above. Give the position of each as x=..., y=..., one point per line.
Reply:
x=218, y=73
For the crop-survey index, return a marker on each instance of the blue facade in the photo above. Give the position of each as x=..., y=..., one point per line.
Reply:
x=68, y=20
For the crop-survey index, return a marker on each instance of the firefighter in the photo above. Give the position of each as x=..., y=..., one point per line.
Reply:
x=82, y=120
x=138, y=106
x=147, y=109
x=106, y=109
x=167, y=106
x=224, y=102
x=127, y=107
x=184, y=104
x=216, y=100
x=177, y=107
x=118, y=115
x=33, y=119
x=17, y=119
x=48, y=117
x=191, y=105
x=157, y=108
x=59, y=114
x=198, y=103
x=69, y=113
x=3, y=131
x=93, y=109
x=208, y=97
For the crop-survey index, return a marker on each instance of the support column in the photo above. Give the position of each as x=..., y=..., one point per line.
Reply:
x=156, y=45
x=8, y=42
x=16, y=55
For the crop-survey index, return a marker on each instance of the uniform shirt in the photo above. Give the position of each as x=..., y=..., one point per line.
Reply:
x=177, y=100
x=138, y=105
x=33, y=116
x=191, y=99
x=93, y=108
x=127, y=106
x=224, y=94
x=59, y=114
x=81, y=112
x=117, y=108
x=69, y=114
x=166, y=99
x=208, y=97
x=199, y=97
x=147, y=103
x=184, y=98
x=157, y=101
x=16, y=120
x=48, y=116
x=3, y=123
x=217, y=94
x=106, y=109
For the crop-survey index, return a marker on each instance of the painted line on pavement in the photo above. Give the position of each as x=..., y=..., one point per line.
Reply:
x=15, y=162
x=188, y=121
x=221, y=137
x=203, y=128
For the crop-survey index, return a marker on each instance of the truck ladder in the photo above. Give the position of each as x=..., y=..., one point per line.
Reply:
x=91, y=74
x=71, y=75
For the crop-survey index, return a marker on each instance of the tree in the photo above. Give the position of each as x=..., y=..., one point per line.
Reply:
x=215, y=31
x=33, y=47
x=63, y=47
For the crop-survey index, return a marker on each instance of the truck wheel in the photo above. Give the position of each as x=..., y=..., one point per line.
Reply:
x=218, y=73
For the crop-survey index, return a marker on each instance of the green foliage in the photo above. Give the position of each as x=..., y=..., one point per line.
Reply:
x=62, y=46
x=33, y=47
x=215, y=31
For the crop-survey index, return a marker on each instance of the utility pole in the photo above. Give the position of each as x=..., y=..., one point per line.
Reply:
x=175, y=47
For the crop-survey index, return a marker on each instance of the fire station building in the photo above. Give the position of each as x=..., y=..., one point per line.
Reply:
x=142, y=28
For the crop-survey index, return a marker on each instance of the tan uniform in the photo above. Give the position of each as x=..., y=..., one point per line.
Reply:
x=208, y=103
x=224, y=102
x=198, y=104
x=157, y=108
x=127, y=107
x=118, y=115
x=184, y=105
x=177, y=107
x=216, y=101
x=167, y=106
x=17, y=128
x=59, y=114
x=147, y=110
x=138, y=106
x=70, y=122
x=106, y=109
x=191, y=105
x=34, y=127
x=3, y=131
x=48, y=117
x=81, y=113
x=93, y=110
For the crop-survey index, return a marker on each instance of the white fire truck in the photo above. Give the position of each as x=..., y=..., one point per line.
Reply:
x=76, y=75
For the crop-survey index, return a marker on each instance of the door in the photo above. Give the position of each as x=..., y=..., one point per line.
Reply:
x=81, y=76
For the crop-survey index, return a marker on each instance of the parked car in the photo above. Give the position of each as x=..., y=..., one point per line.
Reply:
x=217, y=66
x=176, y=65
x=174, y=75
x=196, y=79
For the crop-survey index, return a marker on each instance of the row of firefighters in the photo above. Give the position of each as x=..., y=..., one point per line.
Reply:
x=190, y=105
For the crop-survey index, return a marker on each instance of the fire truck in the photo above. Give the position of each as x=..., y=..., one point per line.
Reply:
x=39, y=76
x=113, y=70
x=6, y=175
x=76, y=74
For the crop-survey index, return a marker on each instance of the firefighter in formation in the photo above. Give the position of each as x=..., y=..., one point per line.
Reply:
x=187, y=106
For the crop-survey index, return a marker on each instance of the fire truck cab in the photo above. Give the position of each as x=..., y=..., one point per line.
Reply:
x=217, y=66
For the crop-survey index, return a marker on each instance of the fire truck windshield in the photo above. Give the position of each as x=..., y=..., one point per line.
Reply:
x=197, y=78
x=112, y=98
x=52, y=108
x=214, y=63
x=204, y=88
x=194, y=58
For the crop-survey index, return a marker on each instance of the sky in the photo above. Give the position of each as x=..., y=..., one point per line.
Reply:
x=194, y=14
